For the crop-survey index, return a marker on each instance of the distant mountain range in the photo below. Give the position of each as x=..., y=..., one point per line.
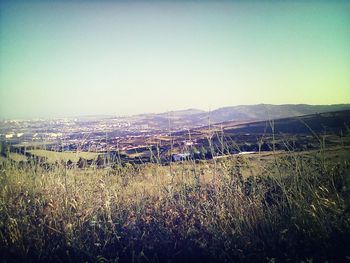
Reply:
x=327, y=122
x=269, y=111
x=195, y=117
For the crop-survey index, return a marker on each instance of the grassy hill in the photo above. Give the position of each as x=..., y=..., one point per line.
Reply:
x=192, y=117
x=269, y=111
x=313, y=123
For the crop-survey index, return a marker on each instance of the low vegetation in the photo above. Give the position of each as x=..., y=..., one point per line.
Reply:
x=268, y=207
x=53, y=157
x=17, y=157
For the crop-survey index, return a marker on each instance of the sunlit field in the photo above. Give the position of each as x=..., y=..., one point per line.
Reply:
x=53, y=157
x=260, y=207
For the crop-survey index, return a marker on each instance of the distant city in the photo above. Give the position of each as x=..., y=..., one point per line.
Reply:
x=178, y=134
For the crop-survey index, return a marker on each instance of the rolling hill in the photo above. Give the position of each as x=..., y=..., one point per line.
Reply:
x=194, y=118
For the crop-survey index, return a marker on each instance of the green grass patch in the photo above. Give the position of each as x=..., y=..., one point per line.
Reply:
x=18, y=157
x=52, y=157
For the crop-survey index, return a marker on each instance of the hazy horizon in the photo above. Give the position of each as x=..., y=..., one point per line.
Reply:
x=103, y=58
x=69, y=116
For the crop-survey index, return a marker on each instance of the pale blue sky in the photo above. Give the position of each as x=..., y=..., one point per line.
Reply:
x=88, y=57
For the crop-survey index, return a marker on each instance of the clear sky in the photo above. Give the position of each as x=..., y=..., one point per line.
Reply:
x=104, y=57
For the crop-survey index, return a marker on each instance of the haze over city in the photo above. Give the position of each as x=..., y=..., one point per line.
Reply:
x=78, y=58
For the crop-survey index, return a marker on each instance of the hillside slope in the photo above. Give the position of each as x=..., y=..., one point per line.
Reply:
x=192, y=117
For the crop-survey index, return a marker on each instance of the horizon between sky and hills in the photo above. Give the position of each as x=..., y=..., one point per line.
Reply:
x=190, y=110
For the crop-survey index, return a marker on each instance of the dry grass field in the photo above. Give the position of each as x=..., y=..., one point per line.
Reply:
x=261, y=207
